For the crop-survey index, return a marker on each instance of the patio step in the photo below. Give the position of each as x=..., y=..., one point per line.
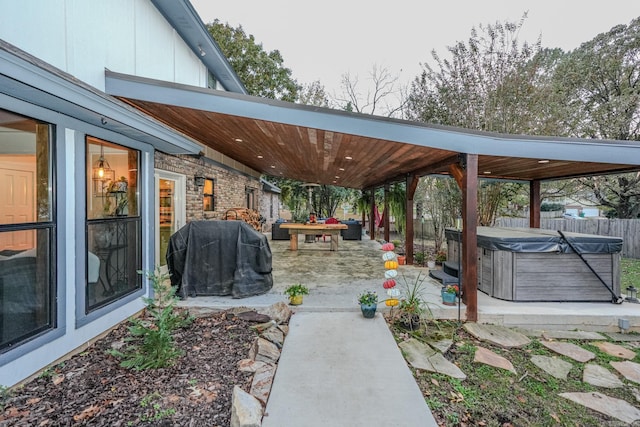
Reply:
x=443, y=277
x=451, y=268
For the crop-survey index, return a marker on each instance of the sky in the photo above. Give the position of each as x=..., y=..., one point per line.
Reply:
x=324, y=40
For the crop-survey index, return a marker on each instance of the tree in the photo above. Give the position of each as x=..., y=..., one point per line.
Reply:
x=442, y=204
x=385, y=97
x=490, y=83
x=600, y=83
x=262, y=73
x=314, y=94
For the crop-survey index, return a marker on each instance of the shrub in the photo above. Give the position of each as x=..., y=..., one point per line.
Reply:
x=152, y=334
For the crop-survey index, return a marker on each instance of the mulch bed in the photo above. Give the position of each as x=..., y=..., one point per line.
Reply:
x=92, y=389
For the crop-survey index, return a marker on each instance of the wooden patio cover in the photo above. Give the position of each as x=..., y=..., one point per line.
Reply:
x=332, y=147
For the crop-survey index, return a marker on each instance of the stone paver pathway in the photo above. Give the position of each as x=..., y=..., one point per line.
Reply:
x=600, y=376
x=498, y=335
x=488, y=357
x=630, y=370
x=572, y=335
x=552, y=366
x=570, y=350
x=602, y=403
x=615, y=350
x=421, y=356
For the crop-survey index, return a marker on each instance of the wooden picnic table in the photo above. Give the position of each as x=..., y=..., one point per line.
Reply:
x=332, y=229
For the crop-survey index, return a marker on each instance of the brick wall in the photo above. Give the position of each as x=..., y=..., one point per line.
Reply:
x=267, y=200
x=229, y=185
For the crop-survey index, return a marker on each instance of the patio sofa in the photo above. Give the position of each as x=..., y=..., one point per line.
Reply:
x=353, y=232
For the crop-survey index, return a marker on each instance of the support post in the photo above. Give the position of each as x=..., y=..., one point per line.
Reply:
x=470, y=234
x=385, y=213
x=372, y=215
x=411, y=186
x=534, y=204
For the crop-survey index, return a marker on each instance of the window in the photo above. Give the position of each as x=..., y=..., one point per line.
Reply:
x=113, y=223
x=208, y=195
x=27, y=229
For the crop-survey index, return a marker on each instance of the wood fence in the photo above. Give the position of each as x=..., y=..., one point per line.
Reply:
x=628, y=229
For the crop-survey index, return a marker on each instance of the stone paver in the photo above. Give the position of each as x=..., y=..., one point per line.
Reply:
x=615, y=350
x=630, y=370
x=604, y=404
x=573, y=351
x=421, y=356
x=552, y=366
x=488, y=357
x=600, y=376
x=572, y=335
x=442, y=346
x=617, y=336
x=498, y=335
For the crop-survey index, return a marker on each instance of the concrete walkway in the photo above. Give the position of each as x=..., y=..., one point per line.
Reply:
x=340, y=369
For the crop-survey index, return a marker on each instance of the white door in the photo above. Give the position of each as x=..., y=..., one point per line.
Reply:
x=170, y=210
x=17, y=201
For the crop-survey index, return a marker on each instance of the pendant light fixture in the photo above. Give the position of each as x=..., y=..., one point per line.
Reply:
x=102, y=173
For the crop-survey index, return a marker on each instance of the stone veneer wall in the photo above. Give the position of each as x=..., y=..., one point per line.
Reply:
x=267, y=200
x=229, y=185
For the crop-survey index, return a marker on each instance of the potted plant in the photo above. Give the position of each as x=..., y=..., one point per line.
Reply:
x=441, y=257
x=295, y=292
x=412, y=307
x=368, y=301
x=449, y=294
x=419, y=258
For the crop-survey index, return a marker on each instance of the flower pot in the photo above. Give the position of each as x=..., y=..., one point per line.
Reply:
x=295, y=299
x=448, y=298
x=368, y=310
x=402, y=259
x=431, y=264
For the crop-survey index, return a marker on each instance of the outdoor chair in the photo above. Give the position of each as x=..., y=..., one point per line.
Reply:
x=329, y=221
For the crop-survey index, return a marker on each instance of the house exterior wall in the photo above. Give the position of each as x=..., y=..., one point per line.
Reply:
x=229, y=184
x=83, y=37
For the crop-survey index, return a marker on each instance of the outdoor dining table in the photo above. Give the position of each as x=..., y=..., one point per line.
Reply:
x=332, y=229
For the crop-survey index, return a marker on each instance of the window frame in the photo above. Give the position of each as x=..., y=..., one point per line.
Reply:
x=211, y=196
x=54, y=321
x=117, y=223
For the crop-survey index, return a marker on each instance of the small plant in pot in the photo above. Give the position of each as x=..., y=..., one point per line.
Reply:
x=418, y=258
x=295, y=293
x=441, y=257
x=368, y=301
x=449, y=294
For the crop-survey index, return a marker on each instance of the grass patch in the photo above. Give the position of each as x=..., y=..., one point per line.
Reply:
x=630, y=273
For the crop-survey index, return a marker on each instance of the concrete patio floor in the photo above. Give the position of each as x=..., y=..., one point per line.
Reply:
x=335, y=279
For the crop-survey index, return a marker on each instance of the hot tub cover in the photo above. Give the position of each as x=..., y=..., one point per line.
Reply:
x=539, y=240
x=219, y=258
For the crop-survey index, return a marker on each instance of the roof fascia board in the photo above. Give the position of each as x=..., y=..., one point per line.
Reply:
x=441, y=137
x=54, y=89
x=187, y=23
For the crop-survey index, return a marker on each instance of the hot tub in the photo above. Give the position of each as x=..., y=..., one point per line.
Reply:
x=531, y=264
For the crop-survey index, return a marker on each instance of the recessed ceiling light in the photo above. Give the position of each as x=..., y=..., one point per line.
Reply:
x=543, y=161
x=260, y=157
x=273, y=166
x=487, y=172
x=337, y=177
x=348, y=157
x=335, y=182
x=237, y=139
x=340, y=169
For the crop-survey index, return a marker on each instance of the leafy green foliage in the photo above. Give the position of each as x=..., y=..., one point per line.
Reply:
x=152, y=334
x=296, y=289
x=263, y=73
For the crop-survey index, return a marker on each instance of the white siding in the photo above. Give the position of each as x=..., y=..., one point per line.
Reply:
x=83, y=37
